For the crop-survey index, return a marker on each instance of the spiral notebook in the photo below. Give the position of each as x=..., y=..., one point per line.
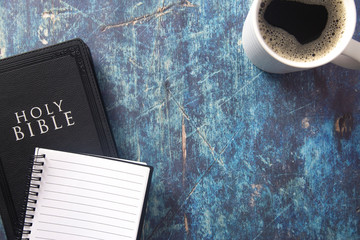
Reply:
x=75, y=196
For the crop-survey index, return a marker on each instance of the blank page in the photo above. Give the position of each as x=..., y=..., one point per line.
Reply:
x=88, y=197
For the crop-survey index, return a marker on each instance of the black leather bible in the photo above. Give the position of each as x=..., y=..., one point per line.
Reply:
x=48, y=98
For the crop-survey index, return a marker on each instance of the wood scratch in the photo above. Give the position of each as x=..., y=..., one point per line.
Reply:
x=295, y=110
x=158, y=13
x=242, y=88
x=82, y=13
x=138, y=148
x=183, y=148
x=257, y=189
x=202, y=135
x=156, y=49
x=209, y=76
x=281, y=213
x=150, y=109
x=138, y=4
x=135, y=63
x=156, y=106
x=2, y=52
x=51, y=13
x=186, y=224
x=230, y=141
x=180, y=107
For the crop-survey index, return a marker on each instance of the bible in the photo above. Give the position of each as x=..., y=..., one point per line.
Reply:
x=49, y=97
x=75, y=196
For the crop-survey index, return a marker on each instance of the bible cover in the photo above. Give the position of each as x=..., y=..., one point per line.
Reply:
x=49, y=98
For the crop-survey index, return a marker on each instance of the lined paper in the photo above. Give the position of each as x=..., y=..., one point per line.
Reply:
x=87, y=197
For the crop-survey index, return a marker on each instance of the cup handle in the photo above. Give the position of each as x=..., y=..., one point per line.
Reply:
x=350, y=57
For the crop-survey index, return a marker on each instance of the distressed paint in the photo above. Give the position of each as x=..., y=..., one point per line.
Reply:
x=238, y=153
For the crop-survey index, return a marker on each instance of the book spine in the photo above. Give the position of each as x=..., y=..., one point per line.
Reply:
x=34, y=188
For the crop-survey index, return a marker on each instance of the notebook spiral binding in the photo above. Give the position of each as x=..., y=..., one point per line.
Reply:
x=34, y=186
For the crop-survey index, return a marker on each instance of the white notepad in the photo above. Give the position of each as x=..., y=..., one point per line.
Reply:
x=74, y=196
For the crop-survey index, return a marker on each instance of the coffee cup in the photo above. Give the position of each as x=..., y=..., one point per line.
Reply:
x=282, y=36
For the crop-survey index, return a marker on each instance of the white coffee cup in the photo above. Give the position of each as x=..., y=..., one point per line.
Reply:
x=346, y=53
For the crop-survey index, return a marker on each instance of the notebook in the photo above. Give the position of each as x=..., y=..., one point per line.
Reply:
x=75, y=196
x=49, y=97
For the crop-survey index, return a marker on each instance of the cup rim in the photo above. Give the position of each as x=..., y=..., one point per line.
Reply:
x=350, y=9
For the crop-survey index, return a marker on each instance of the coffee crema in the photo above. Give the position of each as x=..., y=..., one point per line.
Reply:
x=302, y=30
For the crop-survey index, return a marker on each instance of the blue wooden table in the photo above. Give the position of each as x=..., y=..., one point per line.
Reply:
x=238, y=153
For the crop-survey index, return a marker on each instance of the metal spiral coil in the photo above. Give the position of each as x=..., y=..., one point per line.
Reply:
x=33, y=193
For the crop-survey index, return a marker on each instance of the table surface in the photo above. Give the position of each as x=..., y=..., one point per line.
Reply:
x=238, y=153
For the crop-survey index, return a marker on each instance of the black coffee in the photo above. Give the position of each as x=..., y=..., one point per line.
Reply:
x=305, y=21
x=301, y=30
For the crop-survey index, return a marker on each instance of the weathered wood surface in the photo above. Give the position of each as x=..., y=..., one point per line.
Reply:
x=238, y=153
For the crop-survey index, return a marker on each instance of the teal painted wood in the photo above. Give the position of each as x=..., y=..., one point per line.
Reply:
x=238, y=153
